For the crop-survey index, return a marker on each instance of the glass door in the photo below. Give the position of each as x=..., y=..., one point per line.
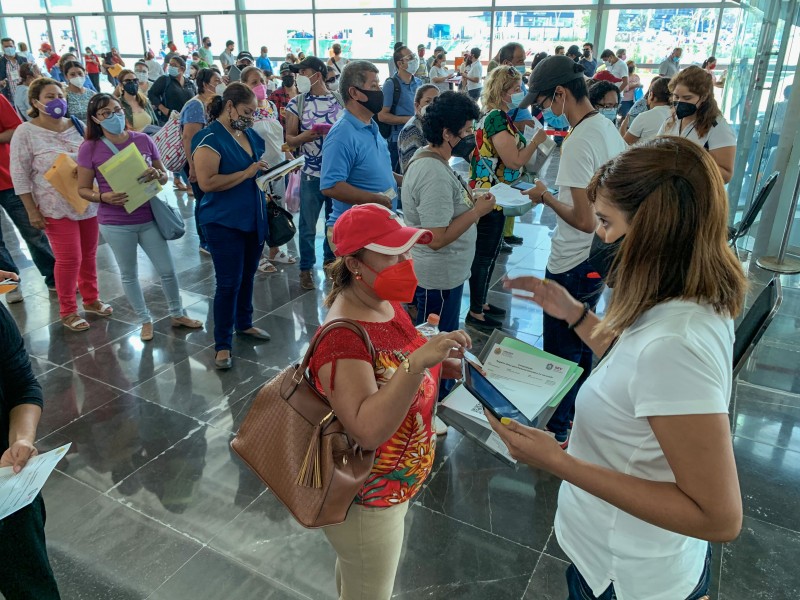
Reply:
x=184, y=34
x=38, y=34
x=64, y=38
x=156, y=36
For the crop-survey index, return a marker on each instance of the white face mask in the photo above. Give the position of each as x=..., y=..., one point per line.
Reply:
x=141, y=76
x=303, y=84
x=413, y=65
x=220, y=89
x=77, y=81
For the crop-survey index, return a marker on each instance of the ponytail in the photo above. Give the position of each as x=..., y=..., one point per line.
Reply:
x=215, y=108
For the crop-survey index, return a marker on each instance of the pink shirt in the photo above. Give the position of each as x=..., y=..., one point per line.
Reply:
x=34, y=149
x=627, y=95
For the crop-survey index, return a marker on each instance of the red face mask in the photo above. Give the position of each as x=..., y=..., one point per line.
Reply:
x=396, y=283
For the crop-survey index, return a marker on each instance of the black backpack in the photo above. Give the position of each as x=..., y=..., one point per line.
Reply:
x=386, y=128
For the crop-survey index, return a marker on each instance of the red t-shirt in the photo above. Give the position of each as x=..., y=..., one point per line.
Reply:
x=403, y=463
x=9, y=119
x=51, y=60
x=92, y=67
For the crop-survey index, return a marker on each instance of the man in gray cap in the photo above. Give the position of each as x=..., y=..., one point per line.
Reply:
x=558, y=86
x=436, y=52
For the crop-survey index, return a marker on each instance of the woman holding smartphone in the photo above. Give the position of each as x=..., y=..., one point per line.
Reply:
x=649, y=477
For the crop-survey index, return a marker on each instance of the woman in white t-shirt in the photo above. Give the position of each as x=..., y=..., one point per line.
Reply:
x=698, y=118
x=649, y=477
x=647, y=124
x=439, y=73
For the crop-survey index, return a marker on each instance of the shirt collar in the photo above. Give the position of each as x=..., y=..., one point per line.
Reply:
x=356, y=122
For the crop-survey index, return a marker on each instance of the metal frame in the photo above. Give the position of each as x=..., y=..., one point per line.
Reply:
x=773, y=287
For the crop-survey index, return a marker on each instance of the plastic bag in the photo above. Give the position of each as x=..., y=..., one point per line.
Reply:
x=292, y=199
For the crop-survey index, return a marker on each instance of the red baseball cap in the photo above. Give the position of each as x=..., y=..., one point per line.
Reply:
x=46, y=47
x=375, y=228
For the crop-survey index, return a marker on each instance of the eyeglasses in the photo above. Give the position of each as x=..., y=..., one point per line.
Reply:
x=107, y=112
x=607, y=105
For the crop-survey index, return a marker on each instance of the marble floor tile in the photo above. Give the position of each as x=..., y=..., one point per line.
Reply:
x=59, y=345
x=767, y=416
x=35, y=311
x=63, y=497
x=548, y=581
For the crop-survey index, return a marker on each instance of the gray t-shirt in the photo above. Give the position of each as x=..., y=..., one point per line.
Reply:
x=433, y=197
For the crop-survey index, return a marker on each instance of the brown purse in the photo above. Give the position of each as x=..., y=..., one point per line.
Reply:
x=293, y=441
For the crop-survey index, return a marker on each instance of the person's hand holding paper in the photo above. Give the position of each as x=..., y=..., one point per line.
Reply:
x=129, y=177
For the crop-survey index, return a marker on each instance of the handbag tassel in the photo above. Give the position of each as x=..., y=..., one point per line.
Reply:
x=309, y=475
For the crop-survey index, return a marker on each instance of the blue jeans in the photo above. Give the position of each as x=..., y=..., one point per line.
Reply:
x=311, y=202
x=235, y=254
x=35, y=239
x=125, y=241
x=580, y=590
x=445, y=303
x=559, y=340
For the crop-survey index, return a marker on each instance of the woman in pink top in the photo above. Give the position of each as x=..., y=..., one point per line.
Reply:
x=73, y=234
x=628, y=96
x=124, y=231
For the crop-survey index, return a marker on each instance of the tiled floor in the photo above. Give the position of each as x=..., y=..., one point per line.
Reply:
x=150, y=503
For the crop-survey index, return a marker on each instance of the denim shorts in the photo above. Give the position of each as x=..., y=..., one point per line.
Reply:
x=580, y=590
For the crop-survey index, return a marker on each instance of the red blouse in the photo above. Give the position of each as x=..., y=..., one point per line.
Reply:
x=404, y=461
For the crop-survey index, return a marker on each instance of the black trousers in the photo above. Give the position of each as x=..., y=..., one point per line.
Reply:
x=25, y=572
x=487, y=248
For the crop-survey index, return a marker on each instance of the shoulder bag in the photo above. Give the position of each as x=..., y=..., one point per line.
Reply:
x=292, y=440
x=168, y=220
x=281, y=224
x=169, y=142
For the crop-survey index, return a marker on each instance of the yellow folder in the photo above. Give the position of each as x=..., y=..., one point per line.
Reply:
x=122, y=172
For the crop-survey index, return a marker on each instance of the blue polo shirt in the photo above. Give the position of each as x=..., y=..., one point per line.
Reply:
x=264, y=64
x=355, y=152
x=405, y=104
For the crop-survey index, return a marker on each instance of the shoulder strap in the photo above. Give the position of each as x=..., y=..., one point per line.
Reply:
x=78, y=125
x=111, y=146
x=396, y=96
x=336, y=66
x=350, y=324
x=431, y=154
x=301, y=105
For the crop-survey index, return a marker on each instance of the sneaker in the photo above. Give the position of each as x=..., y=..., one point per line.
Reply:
x=439, y=426
x=488, y=323
x=14, y=296
x=307, y=280
x=205, y=250
x=495, y=311
x=505, y=248
x=561, y=438
x=513, y=240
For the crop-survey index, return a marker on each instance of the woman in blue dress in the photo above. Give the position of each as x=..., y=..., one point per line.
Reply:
x=233, y=215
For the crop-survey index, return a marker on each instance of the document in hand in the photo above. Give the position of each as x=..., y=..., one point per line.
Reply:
x=122, y=172
x=18, y=490
x=63, y=177
x=508, y=197
x=278, y=171
x=534, y=381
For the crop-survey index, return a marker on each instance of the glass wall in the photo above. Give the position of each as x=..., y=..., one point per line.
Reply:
x=362, y=35
x=541, y=31
x=280, y=33
x=456, y=32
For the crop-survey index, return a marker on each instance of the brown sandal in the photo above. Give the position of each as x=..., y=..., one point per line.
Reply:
x=98, y=307
x=186, y=322
x=75, y=322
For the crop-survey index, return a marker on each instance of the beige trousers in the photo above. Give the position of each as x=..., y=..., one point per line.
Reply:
x=368, y=546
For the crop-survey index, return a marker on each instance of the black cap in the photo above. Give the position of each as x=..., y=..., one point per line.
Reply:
x=285, y=66
x=573, y=51
x=310, y=62
x=244, y=54
x=440, y=49
x=552, y=71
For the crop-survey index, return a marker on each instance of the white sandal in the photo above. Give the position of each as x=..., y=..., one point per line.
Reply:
x=283, y=258
x=102, y=309
x=264, y=266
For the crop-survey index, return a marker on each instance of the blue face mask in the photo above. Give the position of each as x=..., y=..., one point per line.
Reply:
x=555, y=121
x=9, y=51
x=114, y=124
x=173, y=71
x=677, y=59
x=609, y=113
x=516, y=100
x=520, y=68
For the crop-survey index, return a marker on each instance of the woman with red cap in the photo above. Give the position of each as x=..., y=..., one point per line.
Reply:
x=387, y=405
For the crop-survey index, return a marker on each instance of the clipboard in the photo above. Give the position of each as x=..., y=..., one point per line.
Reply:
x=63, y=177
x=279, y=171
x=234, y=74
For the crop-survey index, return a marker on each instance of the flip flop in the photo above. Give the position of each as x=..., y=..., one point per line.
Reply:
x=264, y=266
x=283, y=258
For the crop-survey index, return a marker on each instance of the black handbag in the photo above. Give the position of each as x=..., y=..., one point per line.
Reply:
x=281, y=224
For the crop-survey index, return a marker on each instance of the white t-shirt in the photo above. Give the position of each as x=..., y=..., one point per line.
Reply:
x=618, y=69
x=475, y=71
x=647, y=124
x=588, y=146
x=675, y=360
x=719, y=136
x=440, y=72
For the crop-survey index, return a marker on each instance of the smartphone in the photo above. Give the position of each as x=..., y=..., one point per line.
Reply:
x=522, y=186
x=489, y=396
x=321, y=128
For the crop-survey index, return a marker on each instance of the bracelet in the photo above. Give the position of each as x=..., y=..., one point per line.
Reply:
x=403, y=356
x=586, y=311
x=541, y=198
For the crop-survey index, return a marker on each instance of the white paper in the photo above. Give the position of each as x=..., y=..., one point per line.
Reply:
x=546, y=147
x=528, y=381
x=279, y=171
x=462, y=401
x=495, y=442
x=508, y=197
x=18, y=490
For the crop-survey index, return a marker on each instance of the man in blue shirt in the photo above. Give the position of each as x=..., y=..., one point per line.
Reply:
x=588, y=61
x=407, y=63
x=263, y=62
x=356, y=166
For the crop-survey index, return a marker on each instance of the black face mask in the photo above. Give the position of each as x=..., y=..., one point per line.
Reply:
x=465, y=147
x=587, y=53
x=131, y=87
x=685, y=109
x=374, y=101
x=288, y=81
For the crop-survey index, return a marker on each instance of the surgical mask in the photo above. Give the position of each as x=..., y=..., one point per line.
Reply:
x=173, y=71
x=260, y=91
x=520, y=69
x=287, y=81
x=219, y=89
x=77, y=81
x=516, y=100
x=465, y=147
x=685, y=109
x=303, y=84
x=114, y=124
x=677, y=59
x=240, y=123
x=56, y=108
x=374, y=101
x=142, y=76
x=413, y=65
x=131, y=87
x=609, y=113
x=9, y=51
x=397, y=283
x=555, y=121
x=332, y=85
x=607, y=63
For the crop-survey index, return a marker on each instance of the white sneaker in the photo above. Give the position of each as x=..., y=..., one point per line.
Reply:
x=14, y=296
x=439, y=426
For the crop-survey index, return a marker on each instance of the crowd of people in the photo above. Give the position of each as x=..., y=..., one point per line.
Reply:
x=649, y=476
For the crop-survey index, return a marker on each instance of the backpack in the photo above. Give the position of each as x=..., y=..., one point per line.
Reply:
x=385, y=128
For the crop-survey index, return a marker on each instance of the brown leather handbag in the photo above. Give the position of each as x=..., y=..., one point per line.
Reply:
x=293, y=441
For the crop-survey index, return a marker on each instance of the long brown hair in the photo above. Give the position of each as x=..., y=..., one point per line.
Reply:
x=673, y=197
x=698, y=81
x=35, y=90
